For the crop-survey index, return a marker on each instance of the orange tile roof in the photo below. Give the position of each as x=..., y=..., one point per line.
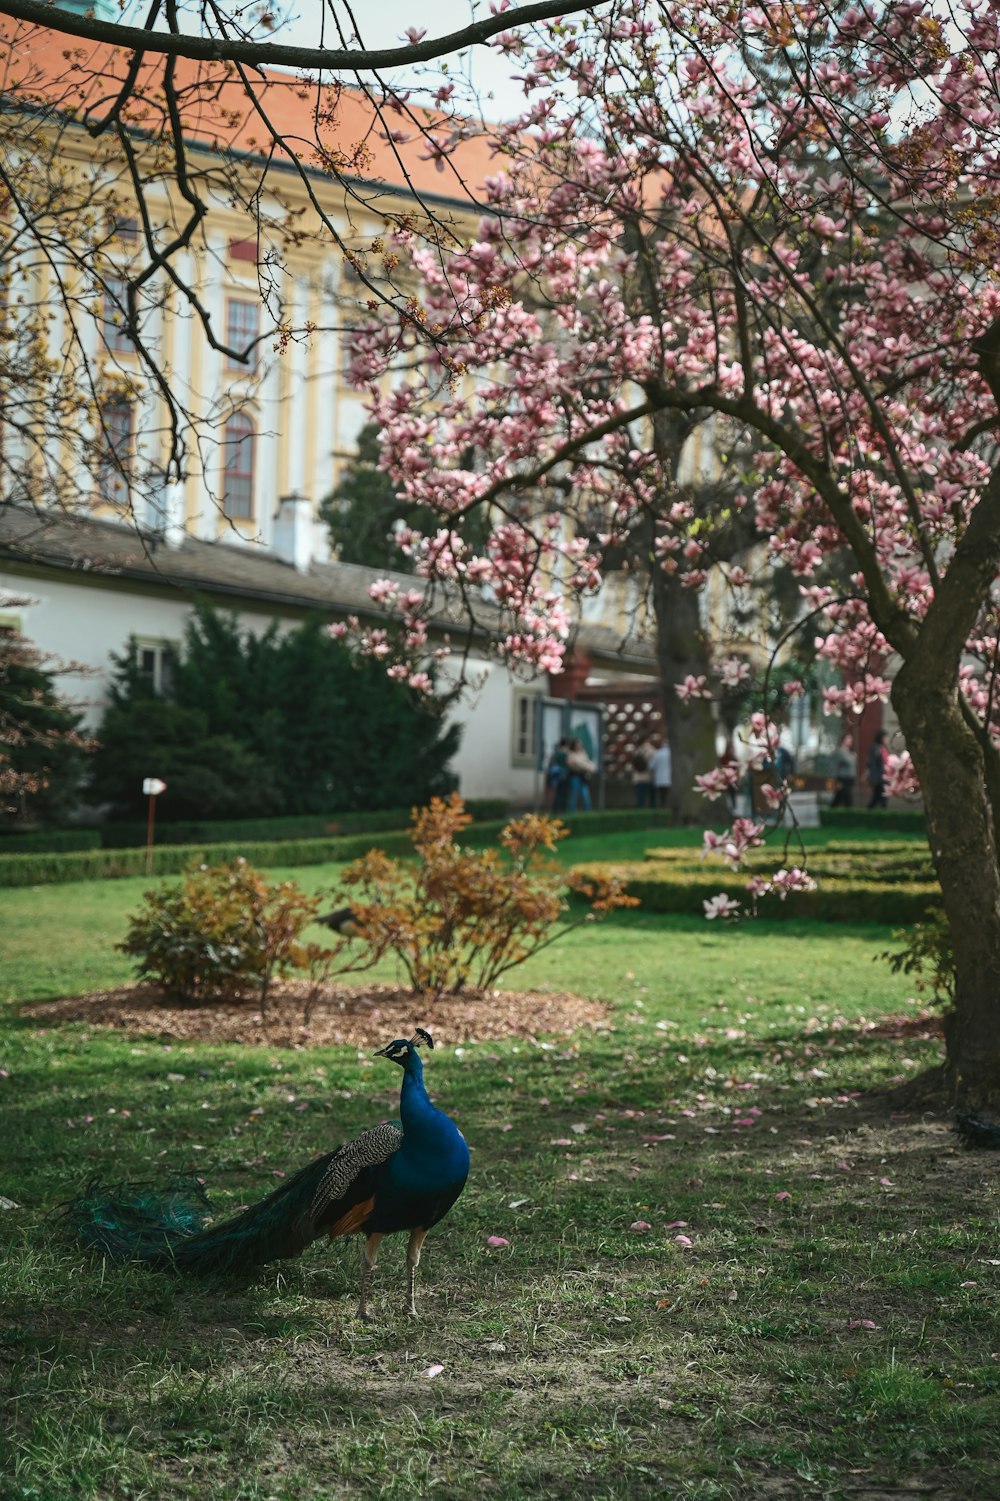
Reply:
x=329, y=127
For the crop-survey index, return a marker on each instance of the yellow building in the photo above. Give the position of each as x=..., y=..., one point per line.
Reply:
x=249, y=318
x=274, y=253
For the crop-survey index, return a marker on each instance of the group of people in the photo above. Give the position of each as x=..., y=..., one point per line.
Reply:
x=876, y=772
x=570, y=769
x=567, y=777
x=569, y=772
x=652, y=773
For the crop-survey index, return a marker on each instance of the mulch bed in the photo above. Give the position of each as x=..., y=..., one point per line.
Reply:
x=363, y=1016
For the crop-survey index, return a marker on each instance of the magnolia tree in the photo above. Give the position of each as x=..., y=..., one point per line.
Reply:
x=810, y=264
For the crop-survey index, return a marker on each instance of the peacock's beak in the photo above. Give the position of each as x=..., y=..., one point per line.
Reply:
x=382, y=1052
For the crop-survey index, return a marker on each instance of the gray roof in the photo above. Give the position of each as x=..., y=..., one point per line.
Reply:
x=237, y=575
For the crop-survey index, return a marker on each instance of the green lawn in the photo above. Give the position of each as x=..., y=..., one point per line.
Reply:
x=59, y=939
x=830, y=1331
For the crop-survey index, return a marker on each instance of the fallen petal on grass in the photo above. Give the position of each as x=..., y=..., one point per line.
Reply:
x=496, y=1241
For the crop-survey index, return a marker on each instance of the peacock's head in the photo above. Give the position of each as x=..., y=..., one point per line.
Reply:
x=402, y=1050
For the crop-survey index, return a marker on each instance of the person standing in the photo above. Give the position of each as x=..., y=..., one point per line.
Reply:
x=557, y=777
x=845, y=769
x=642, y=776
x=661, y=766
x=581, y=768
x=728, y=761
x=878, y=765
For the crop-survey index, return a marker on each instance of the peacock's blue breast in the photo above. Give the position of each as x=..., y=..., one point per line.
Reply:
x=418, y=1187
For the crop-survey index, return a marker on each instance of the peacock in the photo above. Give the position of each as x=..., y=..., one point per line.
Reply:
x=394, y=1177
x=345, y=920
x=976, y=1131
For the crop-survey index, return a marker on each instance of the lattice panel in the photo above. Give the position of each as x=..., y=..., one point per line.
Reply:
x=631, y=716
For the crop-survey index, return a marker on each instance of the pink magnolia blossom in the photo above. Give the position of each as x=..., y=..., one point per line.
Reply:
x=715, y=784
x=734, y=670
x=693, y=687
x=382, y=591
x=901, y=778
x=720, y=906
x=784, y=881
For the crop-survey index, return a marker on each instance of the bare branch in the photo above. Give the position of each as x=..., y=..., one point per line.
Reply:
x=276, y=54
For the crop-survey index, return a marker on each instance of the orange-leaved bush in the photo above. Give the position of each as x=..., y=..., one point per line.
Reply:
x=222, y=933
x=462, y=917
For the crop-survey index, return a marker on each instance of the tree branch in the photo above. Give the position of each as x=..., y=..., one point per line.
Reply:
x=276, y=54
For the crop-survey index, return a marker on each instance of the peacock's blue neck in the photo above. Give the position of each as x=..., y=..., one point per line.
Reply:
x=415, y=1106
x=427, y=1131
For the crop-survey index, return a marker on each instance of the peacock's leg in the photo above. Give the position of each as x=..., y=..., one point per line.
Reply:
x=369, y=1256
x=417, y=1238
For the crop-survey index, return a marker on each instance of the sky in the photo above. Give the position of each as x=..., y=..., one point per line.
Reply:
x=384, y=23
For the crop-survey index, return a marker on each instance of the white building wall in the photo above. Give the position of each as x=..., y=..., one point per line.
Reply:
x=86, y=623
x=486, y=763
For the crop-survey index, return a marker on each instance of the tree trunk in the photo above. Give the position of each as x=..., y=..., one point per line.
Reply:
x=682, y=649
x=948, y=756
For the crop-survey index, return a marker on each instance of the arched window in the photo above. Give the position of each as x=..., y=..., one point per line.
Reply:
x=237, y=473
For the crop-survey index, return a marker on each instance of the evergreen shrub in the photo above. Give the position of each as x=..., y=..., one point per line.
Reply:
x=254, y=727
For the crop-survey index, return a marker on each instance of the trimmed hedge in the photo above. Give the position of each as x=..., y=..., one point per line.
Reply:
x=889, y=863
x=48, y=841
x=661, y=889
x=131, y=833
x=898, y=820
x=171, y=859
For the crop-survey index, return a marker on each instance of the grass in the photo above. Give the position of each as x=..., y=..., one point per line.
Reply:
x=838, y=1341
x=85, y=920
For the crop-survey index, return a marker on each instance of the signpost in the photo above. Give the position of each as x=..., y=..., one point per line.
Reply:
x=152, y=787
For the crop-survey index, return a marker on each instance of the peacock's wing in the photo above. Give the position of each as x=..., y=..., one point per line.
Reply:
x=345, y=1193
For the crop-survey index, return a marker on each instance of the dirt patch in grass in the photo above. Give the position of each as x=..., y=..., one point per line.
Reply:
x=361, y=1016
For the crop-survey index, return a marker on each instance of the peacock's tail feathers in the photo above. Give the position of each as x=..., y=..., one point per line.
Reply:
x=166, y=1226
x=138, y=1221
x=977, y=1132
